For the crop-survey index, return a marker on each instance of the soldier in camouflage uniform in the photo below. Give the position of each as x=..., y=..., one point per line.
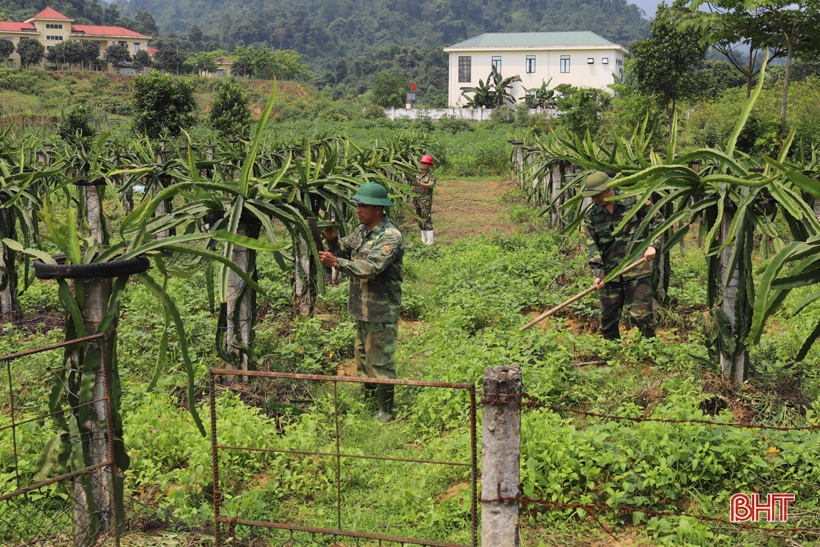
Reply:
x=423, y=185
x=372, y=257
x=608, y=248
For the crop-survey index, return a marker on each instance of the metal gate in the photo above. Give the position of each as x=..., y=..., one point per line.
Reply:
x=232, y=522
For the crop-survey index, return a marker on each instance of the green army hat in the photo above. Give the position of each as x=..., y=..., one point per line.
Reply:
x=372, y=194
x=596, y=183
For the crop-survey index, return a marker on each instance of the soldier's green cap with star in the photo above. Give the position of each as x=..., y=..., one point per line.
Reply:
x=372, y=194
x=596, y=183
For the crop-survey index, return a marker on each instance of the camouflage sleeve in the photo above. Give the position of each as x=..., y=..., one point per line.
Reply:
x=381, y=256
x=432, y=180
x=339, y=247
x=596, y=262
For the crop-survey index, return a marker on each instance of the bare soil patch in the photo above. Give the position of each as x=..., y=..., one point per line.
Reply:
x=469, y=208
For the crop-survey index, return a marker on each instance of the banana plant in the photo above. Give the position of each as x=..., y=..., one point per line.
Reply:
x=540, y=97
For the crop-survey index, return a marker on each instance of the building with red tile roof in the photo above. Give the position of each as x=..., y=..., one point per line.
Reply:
x=51, y=27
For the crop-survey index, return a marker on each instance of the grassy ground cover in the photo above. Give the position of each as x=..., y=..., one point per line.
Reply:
x=496, y=264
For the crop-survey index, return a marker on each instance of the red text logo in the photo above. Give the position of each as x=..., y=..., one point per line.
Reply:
x=744, y=508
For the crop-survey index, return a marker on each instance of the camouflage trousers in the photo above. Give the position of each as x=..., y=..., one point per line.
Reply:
x=637, y=295
x=375, y=348
x=424, y=210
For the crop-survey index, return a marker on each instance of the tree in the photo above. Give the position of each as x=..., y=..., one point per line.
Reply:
x=168, y=60
x=667, y=62
x=88, y=52
x=734, y=28
x=147, y=25
x=195, y=35
x=719, y=76
x=230, y=114
x=116, y=55
x=390, y=90
x=205, y=61
x=141, y=61
x=31, y=51
x=6, y=49
x=110, y=14
x=793, y=27
x=289, y=65
x=66, y=53
x=583, y=108
x=161, y=105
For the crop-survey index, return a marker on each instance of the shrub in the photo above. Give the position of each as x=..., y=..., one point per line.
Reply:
x=230, y=114
x=454, y=124
x=503, y=114
x=391, y=90
x=162, y=105
x=74, y=127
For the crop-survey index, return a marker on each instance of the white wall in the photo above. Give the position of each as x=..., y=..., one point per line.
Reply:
x=547, y=65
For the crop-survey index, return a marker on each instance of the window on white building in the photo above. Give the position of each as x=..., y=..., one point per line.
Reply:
x=497, y=63
x=464, y=69
x=564, y=63
x=54, y=38
x=590, y=61
x=136, y=47
x=604, y=60
x=530, y=64
x=54, y=25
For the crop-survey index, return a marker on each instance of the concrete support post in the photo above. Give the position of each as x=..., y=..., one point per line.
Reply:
x=501, y=449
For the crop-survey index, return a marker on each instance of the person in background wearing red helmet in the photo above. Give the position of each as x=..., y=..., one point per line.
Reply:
x=424, y=184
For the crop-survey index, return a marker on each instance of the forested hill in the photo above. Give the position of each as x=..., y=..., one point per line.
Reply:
x=326, y=30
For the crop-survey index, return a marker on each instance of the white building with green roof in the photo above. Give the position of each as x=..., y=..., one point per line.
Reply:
x=581, y=59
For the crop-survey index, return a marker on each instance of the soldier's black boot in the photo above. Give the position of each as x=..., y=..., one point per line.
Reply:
x=384, y=394
x=612, y=334
x=648, y=332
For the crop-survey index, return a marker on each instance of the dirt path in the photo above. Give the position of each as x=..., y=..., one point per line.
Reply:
x=466, y=208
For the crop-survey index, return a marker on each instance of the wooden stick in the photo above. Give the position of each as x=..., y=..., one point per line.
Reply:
x=578, y=296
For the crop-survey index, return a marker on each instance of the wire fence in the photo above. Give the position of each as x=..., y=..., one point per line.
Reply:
x=775, y=508
x=46, y=495
x=225, y=527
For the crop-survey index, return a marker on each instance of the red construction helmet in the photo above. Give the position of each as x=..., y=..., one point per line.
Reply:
x=427, y=158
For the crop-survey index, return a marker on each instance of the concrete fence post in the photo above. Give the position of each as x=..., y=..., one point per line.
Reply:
x=501, y=450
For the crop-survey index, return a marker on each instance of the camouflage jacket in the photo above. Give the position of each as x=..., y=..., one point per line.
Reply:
x=373, y=261
x=608, y=249
x=426, y=178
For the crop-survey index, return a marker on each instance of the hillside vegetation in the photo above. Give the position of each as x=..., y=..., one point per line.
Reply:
x=326, y=30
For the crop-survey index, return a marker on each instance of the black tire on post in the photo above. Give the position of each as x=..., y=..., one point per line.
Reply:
x=112, y=269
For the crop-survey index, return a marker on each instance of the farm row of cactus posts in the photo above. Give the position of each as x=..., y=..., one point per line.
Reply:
x=210, y=207
x=731, y=198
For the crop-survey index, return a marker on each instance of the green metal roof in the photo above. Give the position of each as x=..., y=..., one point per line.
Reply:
x=534, y=39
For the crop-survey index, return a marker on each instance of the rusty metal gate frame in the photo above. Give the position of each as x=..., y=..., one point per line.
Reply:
x=215, y=447
x=110, y=462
